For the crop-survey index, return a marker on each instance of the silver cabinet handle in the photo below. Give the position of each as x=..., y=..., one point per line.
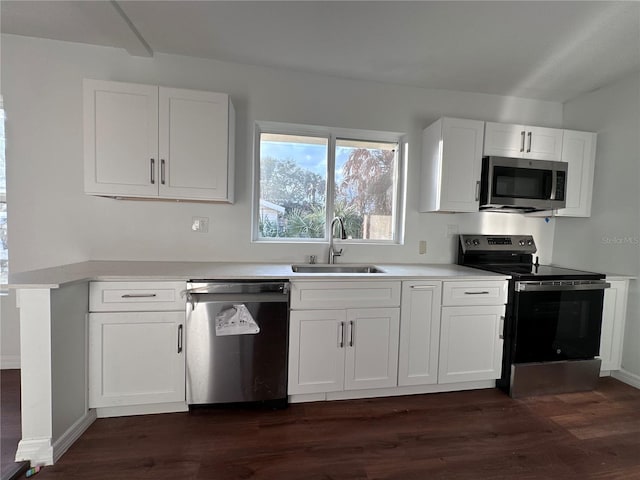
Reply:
x=529, y=149
x=351, y=327
x=477, y=293
x=180, y=338
x=162, y=162
x=341, y=333
x=138, y=295
x=477, y=190
x=153, y=173
x=502, y=327
x=522, y=144
x=423, y=287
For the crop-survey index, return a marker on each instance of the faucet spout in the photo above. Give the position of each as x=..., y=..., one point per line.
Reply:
x=343, y=235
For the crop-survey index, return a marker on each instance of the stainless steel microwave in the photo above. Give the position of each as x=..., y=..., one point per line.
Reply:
x=522, y=185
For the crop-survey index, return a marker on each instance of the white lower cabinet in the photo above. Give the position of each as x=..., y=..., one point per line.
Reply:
x=419, y=333
x=335, y=350
x=614, y=312
x=135, y=358
x=136, y=346
x=470, y=343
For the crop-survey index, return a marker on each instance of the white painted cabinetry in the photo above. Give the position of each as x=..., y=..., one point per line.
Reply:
x=521, y=141
x=136, y=344
x=579, y=151
x=451, y=165
x=614, y=314
x=156, y=142
x=419, y=333
x=471, y=330
x=335, y=343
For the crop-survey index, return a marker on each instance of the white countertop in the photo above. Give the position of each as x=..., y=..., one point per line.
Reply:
x=157, y=271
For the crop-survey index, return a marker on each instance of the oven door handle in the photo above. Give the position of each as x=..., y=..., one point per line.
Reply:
x=540, y=287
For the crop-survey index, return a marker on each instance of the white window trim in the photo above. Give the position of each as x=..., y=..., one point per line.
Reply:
x=400, y=183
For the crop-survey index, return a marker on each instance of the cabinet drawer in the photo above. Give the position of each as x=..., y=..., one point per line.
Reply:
x=136, y=296
x=492, y=292
x=330, y=295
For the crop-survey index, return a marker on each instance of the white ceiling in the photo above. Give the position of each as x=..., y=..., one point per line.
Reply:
x=545, y=50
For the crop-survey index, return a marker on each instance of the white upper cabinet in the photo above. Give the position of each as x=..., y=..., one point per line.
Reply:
x=520, y=141
x=451, y=166
x=120, y=138
x=579, y=151
x=155, y=142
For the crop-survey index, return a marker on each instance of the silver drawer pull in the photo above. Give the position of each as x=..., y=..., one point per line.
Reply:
x=138, y=295
x=423, y=287
x=477, y=293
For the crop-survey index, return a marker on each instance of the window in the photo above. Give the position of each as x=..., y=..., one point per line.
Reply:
x=4, y=258
x=306, y=176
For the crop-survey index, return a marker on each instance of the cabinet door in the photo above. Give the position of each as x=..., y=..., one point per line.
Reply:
x=120, y=138
x=194, y=144
x=419, y=333
x=316, y=351
x=470, y=343
x=579, y=151
x=135, y=358
x=543, y=143
x=461, y=165
x=372, y=348
x=614, y=312
x=504, y=140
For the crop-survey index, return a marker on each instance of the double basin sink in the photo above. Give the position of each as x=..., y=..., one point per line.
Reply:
x=333, y=268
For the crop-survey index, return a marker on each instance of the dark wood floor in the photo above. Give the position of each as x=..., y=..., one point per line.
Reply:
x=9, y=422
x=466, y=435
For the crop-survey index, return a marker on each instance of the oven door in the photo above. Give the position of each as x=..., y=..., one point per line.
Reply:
x=558, y=320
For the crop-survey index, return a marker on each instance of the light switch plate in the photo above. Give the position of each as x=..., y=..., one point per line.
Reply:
x=200, y=224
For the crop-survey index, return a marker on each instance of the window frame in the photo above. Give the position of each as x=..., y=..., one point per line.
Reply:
x=332, y=135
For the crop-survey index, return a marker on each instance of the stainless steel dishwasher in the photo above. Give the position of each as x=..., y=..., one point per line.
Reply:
x=236, y=342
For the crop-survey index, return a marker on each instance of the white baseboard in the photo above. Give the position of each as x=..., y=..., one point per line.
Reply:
x=37, y=451
x=392, y=391
x=68, y=438
x=152, y=408
x=41, y=452
x=627, y=377
x=9, y=362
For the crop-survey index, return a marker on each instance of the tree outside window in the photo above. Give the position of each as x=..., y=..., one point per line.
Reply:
x=293, y=186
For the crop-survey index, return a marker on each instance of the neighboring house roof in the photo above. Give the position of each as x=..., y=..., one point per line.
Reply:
x=271, y=206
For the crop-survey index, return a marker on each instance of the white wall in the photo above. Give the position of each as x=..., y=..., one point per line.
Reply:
x=52, y=222
x=609, y=241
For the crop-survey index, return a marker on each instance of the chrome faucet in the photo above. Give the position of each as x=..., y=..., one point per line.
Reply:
x=343, y=235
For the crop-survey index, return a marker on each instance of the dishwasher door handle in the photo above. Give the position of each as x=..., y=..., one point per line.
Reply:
x=180, y=342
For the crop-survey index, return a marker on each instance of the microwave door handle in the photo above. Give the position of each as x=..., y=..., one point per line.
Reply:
x=554, y=184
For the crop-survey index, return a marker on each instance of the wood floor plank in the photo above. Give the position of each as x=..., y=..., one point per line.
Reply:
x=462, y=435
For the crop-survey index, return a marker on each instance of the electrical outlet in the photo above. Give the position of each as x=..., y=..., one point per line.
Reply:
x=422, y=247
x=200, y=224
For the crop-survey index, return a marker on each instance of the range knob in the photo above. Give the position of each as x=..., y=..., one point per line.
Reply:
x=467, y=243
x=529, y=242
x=476, y=242
x=521, y=243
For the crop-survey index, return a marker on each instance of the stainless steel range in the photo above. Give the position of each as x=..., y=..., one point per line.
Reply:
x=553, y=316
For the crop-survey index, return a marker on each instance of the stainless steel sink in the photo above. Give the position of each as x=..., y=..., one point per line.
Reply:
x=325, y=268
